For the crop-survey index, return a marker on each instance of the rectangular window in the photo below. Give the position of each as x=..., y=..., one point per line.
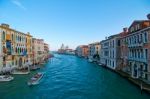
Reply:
x=113, y=54
x=135, y=54
x=138, y=53
x=138, y=40
x=141, y=38
x=118, y=42
x=146, y=37
x=146, y=53
x=141, y=53
x=113, y=63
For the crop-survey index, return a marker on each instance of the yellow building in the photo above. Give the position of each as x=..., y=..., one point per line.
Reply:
x=16, y=48
x=29, y=48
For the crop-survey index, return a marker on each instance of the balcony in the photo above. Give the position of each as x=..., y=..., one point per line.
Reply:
x=105, y=47
x=144, y=60
x=136, y=45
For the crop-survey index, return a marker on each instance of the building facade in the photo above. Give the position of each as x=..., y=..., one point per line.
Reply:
x=82, y=51
x=110, y=52
x=94, y=51
x=124, y=50
x=14, y=48
x=29, y=49
x=1, y=53
x=38, y=50
x=46, y=51
x=138, y=40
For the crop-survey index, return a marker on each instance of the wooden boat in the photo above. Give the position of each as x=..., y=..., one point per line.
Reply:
x=35, y=79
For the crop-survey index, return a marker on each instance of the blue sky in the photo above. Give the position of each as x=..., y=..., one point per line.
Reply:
x=72, y=22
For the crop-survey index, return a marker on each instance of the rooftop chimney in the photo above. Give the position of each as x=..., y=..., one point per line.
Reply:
x=148, y=16
x=125, y=29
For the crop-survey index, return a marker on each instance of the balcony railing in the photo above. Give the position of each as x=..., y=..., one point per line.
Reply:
x=138, y=59
x=136, y=45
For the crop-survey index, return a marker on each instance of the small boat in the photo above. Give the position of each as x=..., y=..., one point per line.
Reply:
x=34, y=67
x=90, y=60
x=100, y=64
x=21, y=72
x=6, y=78
x=43, y=63
x=35, y=79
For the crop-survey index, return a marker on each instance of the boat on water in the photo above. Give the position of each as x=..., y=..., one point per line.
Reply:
x=100, y=64
x=6, y=78
x=35, y=67
x=17, y=72
x=43, y=63
x=90, y=60
x=35, y=79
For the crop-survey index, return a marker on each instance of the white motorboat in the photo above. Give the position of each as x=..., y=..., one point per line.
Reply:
x=6, y=78
x=35, y=67
x=90, y=60
x=100, y=64
x=35, y=79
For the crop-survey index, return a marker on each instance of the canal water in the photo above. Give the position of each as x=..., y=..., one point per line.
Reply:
x=70, y=77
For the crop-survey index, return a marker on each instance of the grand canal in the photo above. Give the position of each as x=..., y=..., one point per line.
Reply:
x=70, y=77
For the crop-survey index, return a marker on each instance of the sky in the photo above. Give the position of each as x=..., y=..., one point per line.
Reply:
x=72, y=22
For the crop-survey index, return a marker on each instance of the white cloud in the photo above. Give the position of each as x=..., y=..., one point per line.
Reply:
x=18, y=3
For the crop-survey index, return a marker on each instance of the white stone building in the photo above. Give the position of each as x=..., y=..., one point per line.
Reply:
x=1, y=54
x=79, y=51
x=38, y=50
x=110, y=52
x=94, y=50
x=138, y=41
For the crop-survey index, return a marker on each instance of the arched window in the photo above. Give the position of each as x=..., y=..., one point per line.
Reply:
x=26, y=40
x=12, y=49
x=3, y=35
x=16, y=50
x=4, y=49
x=12, y=37
x=16, y=62
x=20, y=38
x=16, y=37
x=21, y=49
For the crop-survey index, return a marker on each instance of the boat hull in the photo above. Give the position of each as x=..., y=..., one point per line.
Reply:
x=20, y=73
x=2, y=79
x=35, y=82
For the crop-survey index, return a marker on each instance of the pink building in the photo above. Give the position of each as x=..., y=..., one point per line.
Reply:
x=82, y=51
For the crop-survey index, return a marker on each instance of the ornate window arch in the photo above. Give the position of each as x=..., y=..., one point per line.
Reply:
x=4, y=35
